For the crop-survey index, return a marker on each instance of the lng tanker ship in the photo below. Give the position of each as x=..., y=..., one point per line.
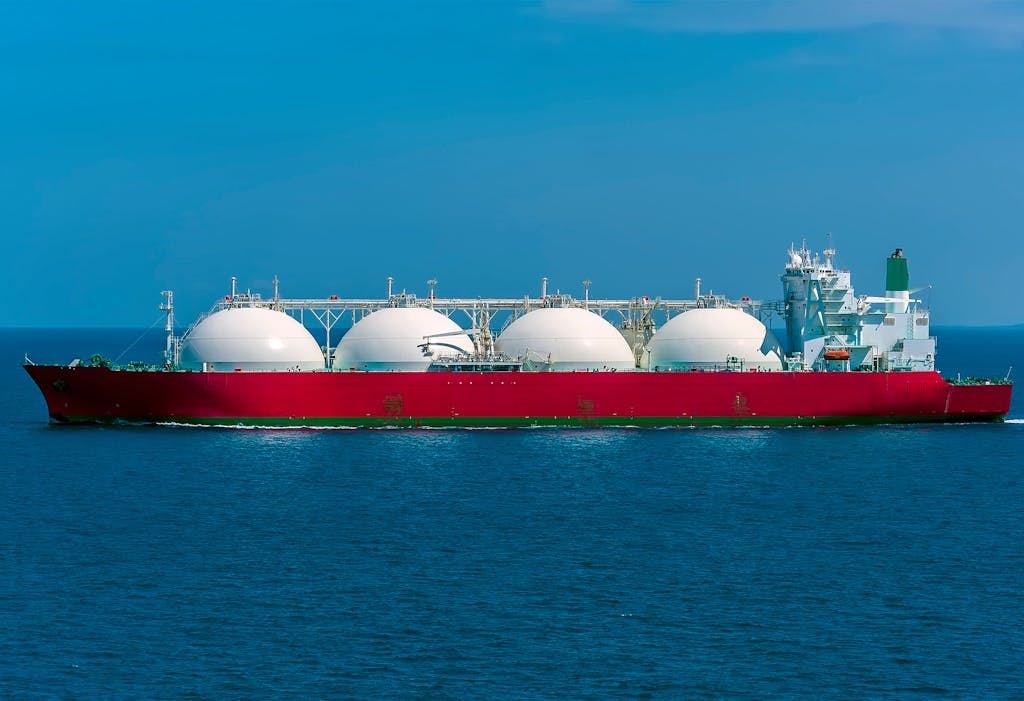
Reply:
x=844, y=359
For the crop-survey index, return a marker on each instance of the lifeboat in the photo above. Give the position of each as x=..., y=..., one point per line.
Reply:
x=837, y=354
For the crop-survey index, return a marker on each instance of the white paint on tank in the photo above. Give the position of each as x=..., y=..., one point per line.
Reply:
x=566, y=338
x=250, y=338
x=392, y=339
x=707, y=338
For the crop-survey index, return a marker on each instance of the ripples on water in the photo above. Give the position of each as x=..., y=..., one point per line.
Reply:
x=740, y=563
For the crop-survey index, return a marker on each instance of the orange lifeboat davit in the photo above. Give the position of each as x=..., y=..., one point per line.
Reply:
x=837, y=354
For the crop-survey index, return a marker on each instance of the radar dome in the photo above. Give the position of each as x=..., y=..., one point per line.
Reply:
x=393, y=339
x=707, y=338
x=250, y=338
x=566, y=338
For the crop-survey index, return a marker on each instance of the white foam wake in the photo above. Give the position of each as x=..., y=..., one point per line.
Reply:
x=256, y=427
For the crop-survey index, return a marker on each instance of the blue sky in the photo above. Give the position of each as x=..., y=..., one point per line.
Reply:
x=640, y=145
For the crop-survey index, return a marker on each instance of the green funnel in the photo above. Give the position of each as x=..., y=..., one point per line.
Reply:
x=897, y=279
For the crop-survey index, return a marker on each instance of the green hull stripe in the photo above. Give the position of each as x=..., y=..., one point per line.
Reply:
x=529, y=422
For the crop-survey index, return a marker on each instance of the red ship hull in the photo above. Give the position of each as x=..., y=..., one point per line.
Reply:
x=367, y=399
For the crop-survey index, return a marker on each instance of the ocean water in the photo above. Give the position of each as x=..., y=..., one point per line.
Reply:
x=851, y=562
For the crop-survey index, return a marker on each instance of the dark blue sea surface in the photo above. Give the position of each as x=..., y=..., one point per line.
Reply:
x=851, y=562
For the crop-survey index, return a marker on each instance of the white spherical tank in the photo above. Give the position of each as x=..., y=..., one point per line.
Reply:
x=566, y=339
x=394, y=338
x=250, y=338
x=710, y=338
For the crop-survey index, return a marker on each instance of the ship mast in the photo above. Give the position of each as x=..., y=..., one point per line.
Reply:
x=171, y=350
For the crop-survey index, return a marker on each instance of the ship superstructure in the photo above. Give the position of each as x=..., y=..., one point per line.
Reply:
x=829, y=328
